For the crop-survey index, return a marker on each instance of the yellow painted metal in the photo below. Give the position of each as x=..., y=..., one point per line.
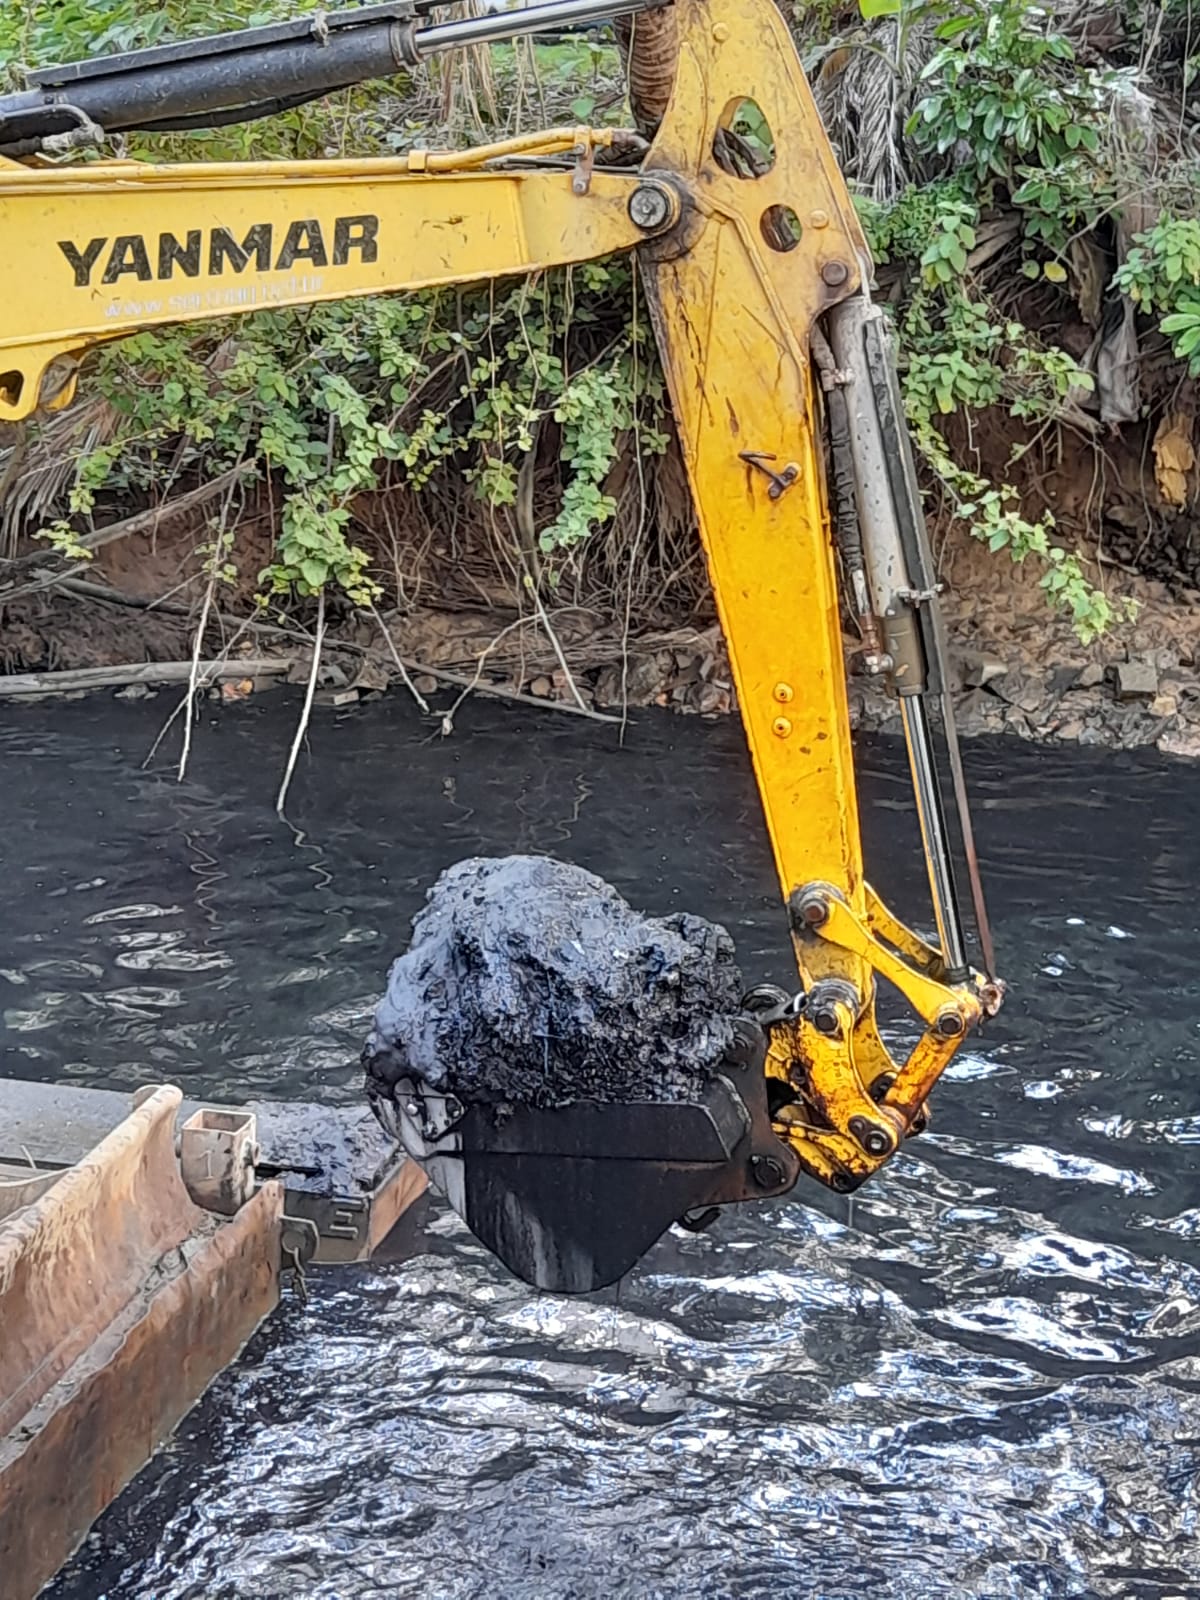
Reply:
x=735, y=282
x=734, y=312
x=885, y=925
x=733, y=317
x=111, y=248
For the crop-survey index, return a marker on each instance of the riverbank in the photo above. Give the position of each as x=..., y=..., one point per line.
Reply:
x=1018, y=670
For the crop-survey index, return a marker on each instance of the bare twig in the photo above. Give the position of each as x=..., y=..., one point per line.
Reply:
x=306, y=711
x=400, y=667
x=189, y=700
x=495, y=691
x=557, y=648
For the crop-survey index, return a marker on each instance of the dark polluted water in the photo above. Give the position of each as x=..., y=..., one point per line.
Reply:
x=980, y=1379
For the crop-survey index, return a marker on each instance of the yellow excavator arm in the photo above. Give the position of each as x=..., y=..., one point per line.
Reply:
x=781, y=379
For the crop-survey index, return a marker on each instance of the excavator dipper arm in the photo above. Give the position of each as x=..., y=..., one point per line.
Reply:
x=781, y=378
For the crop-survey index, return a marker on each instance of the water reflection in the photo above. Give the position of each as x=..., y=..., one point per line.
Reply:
x=981, y=1379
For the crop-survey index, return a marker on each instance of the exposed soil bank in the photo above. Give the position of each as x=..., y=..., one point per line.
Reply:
x=1022, y=671
x=1019, y=669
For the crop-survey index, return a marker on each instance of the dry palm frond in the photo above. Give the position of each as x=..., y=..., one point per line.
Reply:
x=40, y=467
x=864, y=92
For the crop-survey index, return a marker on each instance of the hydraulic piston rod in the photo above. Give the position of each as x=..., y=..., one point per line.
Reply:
x=255, y=72
x=495, y=26
x=933, y=833
x=904, y=597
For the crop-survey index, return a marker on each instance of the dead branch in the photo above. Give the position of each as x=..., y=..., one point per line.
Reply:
x=400, y=667
x=141, y=522
x=21, y=685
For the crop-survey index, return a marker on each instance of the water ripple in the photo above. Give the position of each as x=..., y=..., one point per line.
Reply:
x=980, y=1380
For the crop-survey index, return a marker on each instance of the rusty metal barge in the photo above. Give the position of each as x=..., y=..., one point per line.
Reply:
x=143, y=1240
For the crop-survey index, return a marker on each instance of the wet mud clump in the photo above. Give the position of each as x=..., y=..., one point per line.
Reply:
x=529, y=981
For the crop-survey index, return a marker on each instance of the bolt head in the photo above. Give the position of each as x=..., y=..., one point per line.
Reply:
x=781, y=727
x=766, y=1172
x=835, y=273
x=784, y=693
x=649, y=207
x=950, y=1025
x=720, y=32
x=874, y=1139
x=819, y=219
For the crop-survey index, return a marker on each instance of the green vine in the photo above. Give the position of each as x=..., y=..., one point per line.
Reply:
x=329, y=399
x=340, y=401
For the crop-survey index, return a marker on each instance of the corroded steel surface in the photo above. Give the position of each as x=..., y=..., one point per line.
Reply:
x=120, y=1301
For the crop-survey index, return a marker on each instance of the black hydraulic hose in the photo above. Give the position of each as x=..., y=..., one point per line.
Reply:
x=238, y=77
x=204, y=85
x=845, y=504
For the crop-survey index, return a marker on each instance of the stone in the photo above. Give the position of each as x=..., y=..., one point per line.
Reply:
x=542, y=688
x=1165, y=660
x=643, y=680
x=1181, y=742
x=1069, y=730
x=529, y=981
x=980, y=668
x=135, y=691
x=335, y=698
x=424, y=684
x=1062, y=680
x=1136, y=680
x=330, y=675
x=1025, y=690
x=373, y=675
x=971, y=712
x=1090, y=676
x=607, y=689
x=711, y=700
x=1164, y=705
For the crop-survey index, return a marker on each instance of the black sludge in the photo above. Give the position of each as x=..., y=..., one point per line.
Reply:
x=530, y=981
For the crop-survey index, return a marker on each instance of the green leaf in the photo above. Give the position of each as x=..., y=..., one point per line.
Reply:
x=1055, y=271
x=880, y=8
x=313, y=572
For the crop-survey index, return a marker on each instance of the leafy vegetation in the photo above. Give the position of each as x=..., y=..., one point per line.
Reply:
x=330, y=399
x=995, y=148
x=1023, y=151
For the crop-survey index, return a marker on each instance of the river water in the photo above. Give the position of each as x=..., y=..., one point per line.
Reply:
x=981, y=1377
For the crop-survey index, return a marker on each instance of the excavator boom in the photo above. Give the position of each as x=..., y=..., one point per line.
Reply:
x=783, y=385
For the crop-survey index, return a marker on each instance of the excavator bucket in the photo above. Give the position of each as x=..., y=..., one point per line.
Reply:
x=570, y=1199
